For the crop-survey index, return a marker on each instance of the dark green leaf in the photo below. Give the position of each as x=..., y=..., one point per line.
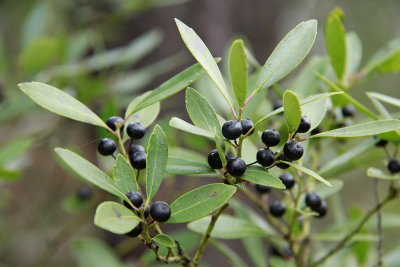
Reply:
x=164, y=240
x=291, y=107
x=190, y=128
x=123, y=175
x=258, y=175
x=238, y=71
x=309, y=172
x=184, y=166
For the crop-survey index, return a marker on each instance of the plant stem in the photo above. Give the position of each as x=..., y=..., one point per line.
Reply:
x=378, y=226
x=120, y=142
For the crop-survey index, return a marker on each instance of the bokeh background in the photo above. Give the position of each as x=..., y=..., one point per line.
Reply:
x=106, y=52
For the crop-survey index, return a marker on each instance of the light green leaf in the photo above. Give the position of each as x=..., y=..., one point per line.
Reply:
x=335, y=40
x=89, y=172
x=13, y=149
x=60, y=102
x=200, y=202
x=218, y=143
x=363, y=129
x=184, y=166
x=157, y=157
x=35, y=23
x=336, y=237
x=354, y=54
x=310, y=111
x=238, y=71
x=258, y=175
x=385, y=98
x=189, y=128
x=309, y=172
x=39, y=54
x=8, y=175
x=164, y=240
x=325, y=192
x=288, y=54
x=179, y=152
x=377, y=173
x=227, y=227
x=116, y=218
x=145, y=116
x=228, y=253
x=123, y=175
x=292, y=110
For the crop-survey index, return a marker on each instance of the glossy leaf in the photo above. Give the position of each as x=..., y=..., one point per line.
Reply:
x=123, y=175
x=115, y=218
x=189, y=128
x=157, y=157
x=354, y=54
x=164, y=240
x=200, y=202
x=258, y=175
x=60, y=102
x=288, y=54
x=309, y=172
x=309, y=110
x=292, y=110
x=184, y=166
x=238, y=71
x=377, y=173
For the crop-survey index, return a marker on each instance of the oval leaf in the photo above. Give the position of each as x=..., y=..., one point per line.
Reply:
x=291, y=107
x=59, y=102
x=200, y=202
x=189, y=128
x=238, y=71
x=309, y=172
x=114, y=217
x=164, y=240
x=123, y=175
x=180, y=166
x=261, y=176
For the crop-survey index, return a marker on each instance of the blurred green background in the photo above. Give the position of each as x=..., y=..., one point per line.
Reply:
x=106, y=52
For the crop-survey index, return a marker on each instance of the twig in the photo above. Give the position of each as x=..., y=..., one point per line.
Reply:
x=378, y=226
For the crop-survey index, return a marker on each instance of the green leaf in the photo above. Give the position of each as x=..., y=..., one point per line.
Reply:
x=35, y=23
x=89, y=172
x=325, y=192
x=157, y=157
x=259, y=175
x=377, y=173
x=13, y=149
x=169, y=88
x=184, y=166
x=336, y=237
x=309, y=110
x=385, y=98
x=189, y=128
x=145, y=116
x=201, y=112
x=288, y=54
x=123, y=175
x=335, y=40
x=164, y=240
x=309, y=172
x=228, y=253
x=238, y=71
x=60, y=102
x=227, y=227
x=200, y=202
x=291, y=107
x=201, y=53
x=363, y=129
x=9, y=175
x=354, y=54
x=39, y=54
x=116, y=218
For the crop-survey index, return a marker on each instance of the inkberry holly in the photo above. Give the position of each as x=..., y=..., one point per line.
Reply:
x=84, y=192
x=135, y=198
x=138, y=160
x=113, y=121
x=236, y=167
x=262, y=189
x=293, y=150
x=287, y=179
x=313, y=201
x=322, y=210
x=277, y=104
x=247, y=124
x=348, y=111
x=270, y=137
x=282, y=165
x=214, y=160
x=277, y=209
x=305, y=125
x=136, y=231
x=231, y=129
x=265, y=157
x=160, y=211
x=136, y=148
x=316, y=130
x=106, y=147
x=135, y=130
x=394, y=165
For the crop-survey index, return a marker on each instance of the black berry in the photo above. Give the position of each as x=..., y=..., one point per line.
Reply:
x=160, y=211
x=146, y=211
x=305, y=125
x=322, y=210
x=277, y=209
x=236, y=167
x=262, y=189
x=316, y=131
x=136, y=231
x=135, y=130
x=84, y=192
x=394, y=165
x=270, y=137
x=381, y=142
x=106, y=147
x=293, y=150
x=265, y=157
x=231, y=129
x=348, y=111
x=247, y=124
x=135, y=198
x=214, y=160
x=138, y=160
x=277, y=104
x=283, y=165
x=113, y=121
x=313, y=201
x=136, y=148
x=287, y=179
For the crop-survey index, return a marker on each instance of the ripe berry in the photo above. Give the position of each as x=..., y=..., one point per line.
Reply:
x=293, y=150
x=277, y=104
x=231, y=129
x=214, y=160
x=84, y=192
x=136, y=148
x=247, y=124
x=381, y=142
x=394, y=165
x=287, y=179
x=313, y=201
x=265, y=157
x=236, y=167
x=348, y=111
x=262, y=189
x=282, y=165
x=135, y=198
x=277, y=209
x=160, y=211
x=322, y=210
x=305, y=125
x=270, y=137
x=113, y=121
x=136, y=231
x=316, y=131
x=135, y=130
x=138, y=160
x=106, y=147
